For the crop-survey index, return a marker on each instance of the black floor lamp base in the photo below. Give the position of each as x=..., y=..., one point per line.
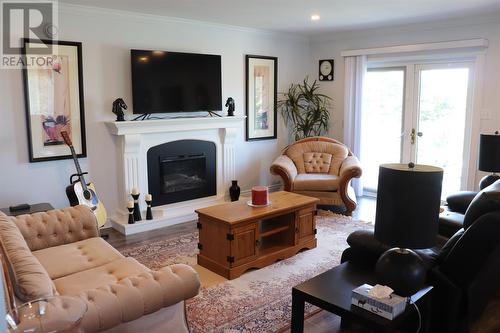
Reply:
x=401, y=269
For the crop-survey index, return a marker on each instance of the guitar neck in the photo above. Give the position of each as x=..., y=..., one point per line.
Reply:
x=78, y=168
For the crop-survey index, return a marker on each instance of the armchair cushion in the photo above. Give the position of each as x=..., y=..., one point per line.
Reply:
x=297, y=152
x=57, y=227
x=78, y=256
x=30, y=279
x=316, y=182
x=317, y=162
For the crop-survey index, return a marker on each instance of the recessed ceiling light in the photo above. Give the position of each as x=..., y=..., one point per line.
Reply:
x=314, y=17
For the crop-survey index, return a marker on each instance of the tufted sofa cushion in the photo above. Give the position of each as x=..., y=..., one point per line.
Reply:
x=99, y=276
x=78, y=256
x=30, y=279
x=300, y=153
x=130, y=298
x=57, y=227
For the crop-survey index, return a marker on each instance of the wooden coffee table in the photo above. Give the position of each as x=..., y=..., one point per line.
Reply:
x=235, y=237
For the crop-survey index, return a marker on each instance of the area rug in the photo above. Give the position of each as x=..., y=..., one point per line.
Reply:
x=259, y=300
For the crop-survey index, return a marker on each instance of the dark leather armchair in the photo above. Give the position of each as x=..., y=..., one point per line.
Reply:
x=465, y=272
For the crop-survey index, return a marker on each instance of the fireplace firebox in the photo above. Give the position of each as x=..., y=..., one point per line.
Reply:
x=182, y=170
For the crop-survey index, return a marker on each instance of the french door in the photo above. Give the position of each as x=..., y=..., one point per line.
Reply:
x=417, y=113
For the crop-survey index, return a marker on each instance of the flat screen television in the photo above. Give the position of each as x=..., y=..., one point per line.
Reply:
x=175, y=82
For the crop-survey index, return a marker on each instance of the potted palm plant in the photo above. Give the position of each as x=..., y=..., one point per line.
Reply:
x=306, y=112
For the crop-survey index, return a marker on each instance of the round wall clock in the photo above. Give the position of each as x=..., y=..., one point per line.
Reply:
x=326, y=70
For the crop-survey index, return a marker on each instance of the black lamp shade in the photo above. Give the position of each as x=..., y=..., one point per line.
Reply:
x=489, y=153
x=408, y=202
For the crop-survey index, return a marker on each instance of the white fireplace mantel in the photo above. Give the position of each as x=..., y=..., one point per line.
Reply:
x=136, y=137
x=173, y=125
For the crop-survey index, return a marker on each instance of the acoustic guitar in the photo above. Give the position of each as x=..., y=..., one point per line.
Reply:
x=80, y=192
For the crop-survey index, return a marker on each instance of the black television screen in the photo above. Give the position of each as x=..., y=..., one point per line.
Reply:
x=175, y=82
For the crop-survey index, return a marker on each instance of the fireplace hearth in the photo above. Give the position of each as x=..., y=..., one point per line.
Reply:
x=181, y=170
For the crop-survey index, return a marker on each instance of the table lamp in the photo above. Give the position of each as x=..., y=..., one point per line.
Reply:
x=408, y=202
x=489, y=158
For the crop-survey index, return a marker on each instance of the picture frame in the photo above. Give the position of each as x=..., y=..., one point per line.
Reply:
x=261, y=97
x=54, y=100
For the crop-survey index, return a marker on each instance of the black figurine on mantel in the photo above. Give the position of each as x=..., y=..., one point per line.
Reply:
x=230, y=107
x=118, y=107
x=234, y=191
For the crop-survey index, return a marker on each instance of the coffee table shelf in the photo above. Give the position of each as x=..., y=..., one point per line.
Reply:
x=274, y=231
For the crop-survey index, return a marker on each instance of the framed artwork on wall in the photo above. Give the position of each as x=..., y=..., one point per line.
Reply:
x=53, y=91
x=261, y=97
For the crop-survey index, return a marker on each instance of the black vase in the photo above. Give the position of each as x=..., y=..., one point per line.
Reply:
x=234, y=191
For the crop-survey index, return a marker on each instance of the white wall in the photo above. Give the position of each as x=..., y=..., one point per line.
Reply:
x=107, y=38
x=329, y=46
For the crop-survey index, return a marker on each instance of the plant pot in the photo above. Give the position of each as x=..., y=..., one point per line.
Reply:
x=234, y=191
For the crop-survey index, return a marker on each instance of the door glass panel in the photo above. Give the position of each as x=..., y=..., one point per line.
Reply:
x=382, y=122
x=443, y=107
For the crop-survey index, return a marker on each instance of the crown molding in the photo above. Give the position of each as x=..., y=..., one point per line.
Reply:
x=475, y=44
x=431, y=25
x=66, y=8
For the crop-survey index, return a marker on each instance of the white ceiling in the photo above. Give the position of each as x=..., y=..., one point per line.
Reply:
x=294, y=15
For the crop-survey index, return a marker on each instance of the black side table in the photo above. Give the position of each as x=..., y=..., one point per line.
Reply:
x=34, y=208
x=332, y=291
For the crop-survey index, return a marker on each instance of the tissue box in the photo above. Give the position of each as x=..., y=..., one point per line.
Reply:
x=388, y=308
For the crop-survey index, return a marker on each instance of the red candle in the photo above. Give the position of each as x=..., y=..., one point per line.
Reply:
x=260, y=195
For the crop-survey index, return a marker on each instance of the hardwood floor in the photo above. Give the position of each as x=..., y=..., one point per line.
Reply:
x=322, y=322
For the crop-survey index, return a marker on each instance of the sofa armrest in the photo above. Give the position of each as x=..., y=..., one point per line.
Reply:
x=350, y=168
x=364, y=249
x=475, y=248
x=284, y=167
x=459, y=202
x=57, y=227
x=59, y=313
x=134, y=297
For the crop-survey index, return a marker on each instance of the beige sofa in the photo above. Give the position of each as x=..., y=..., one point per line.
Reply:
x=60, y=253
x=319, y=167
